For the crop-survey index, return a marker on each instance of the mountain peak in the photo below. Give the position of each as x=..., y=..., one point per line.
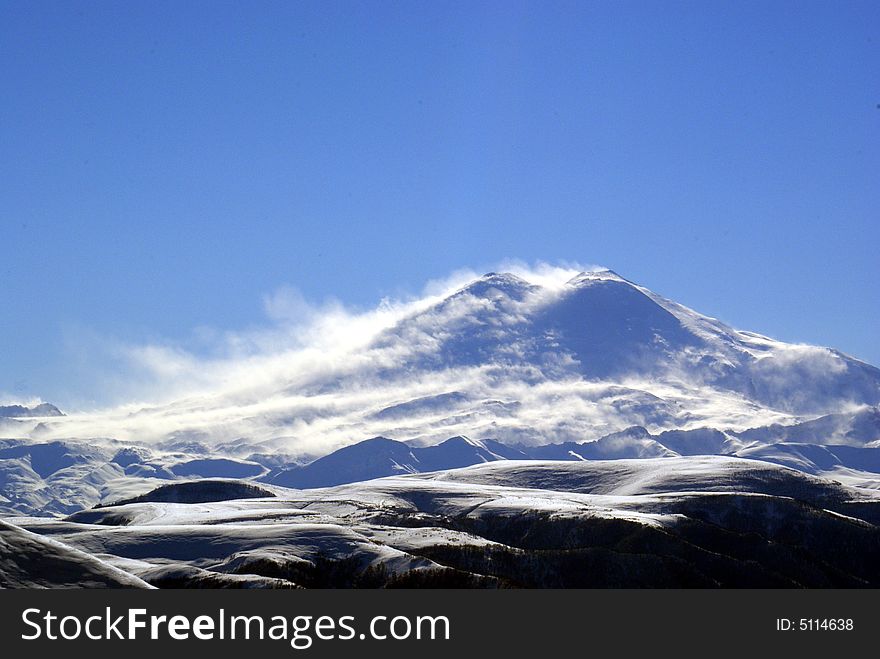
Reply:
x=590, y=276
x=461, y=440
x=501, y=279
x=492, y=283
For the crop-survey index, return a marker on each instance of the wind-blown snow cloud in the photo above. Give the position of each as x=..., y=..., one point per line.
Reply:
x=300, y=340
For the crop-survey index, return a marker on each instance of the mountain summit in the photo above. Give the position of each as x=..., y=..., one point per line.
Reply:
x=600, y=327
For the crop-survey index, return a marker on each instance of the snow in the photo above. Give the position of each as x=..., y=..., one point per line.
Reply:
x=584, y=397
x=391, y=522
x=28, y=560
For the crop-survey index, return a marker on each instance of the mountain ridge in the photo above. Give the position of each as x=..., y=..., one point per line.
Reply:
x=16, y=411
x=381, y=457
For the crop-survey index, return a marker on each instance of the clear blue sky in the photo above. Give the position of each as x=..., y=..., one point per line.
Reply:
x=163, y=165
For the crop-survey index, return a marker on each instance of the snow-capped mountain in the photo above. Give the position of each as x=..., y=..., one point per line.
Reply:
x=601, y=327
x=517, y=361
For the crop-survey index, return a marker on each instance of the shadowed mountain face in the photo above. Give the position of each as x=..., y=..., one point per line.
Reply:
x=611, y=328
x=604, y=324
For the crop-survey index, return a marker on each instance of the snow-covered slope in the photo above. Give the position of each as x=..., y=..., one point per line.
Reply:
x=29, y=560
x=693, y=521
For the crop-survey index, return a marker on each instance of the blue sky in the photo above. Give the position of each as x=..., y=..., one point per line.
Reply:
x=165, y=166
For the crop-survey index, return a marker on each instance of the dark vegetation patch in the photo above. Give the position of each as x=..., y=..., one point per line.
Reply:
x=202, y=491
